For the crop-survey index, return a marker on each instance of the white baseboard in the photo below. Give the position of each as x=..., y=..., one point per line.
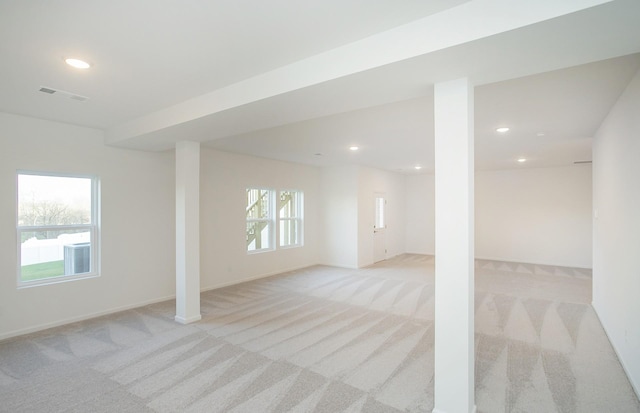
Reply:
x=45, y=326
x=442, y=411
x=189, y=320
x=419, y=253
x=83, y=317
x=339, y=265
x=388, y=258
x=531, y=262
x=252, y=278
x=634, y=386
x=493, y=258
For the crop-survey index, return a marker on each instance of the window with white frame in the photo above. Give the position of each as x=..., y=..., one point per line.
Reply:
x=380, y=222
x=57, y=227
x=290, y=218
x=260, y=233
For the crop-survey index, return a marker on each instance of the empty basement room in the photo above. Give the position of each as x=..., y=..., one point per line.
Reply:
x=440, y=206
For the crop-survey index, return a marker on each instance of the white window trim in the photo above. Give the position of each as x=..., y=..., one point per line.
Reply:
x=94, y=229
x=270, y=220
x=299, y=218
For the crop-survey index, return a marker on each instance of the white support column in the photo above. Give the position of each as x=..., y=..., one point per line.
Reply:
x=454, y=329
x=187, y=232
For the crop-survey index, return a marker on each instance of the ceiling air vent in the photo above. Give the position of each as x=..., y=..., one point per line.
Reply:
x=63, y=94
x=78, y=98
x=581, y=162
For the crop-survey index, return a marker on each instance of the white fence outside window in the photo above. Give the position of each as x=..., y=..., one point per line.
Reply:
x=36, y=251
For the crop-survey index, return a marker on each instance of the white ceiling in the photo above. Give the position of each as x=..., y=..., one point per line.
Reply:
x=158, y=62
x=566, y=105
x=150, y=54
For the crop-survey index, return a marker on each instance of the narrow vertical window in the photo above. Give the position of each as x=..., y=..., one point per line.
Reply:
x=259, y=219
x=380, y=218
x=57, y=227
x=290, y=218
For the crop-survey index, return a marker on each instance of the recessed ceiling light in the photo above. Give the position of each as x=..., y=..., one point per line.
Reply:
x=522, y=160
x=418, y=167
x=77, y=63
x=353, y=148
x=540, y=134
x=503, y=129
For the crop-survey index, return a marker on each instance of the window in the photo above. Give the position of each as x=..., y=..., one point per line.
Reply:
x=379, y=217
x=57, y=227
x=290, y=218
x=261, y=216
x=259, y=220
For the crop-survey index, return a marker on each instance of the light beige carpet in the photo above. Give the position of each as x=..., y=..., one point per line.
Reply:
x=324, y=339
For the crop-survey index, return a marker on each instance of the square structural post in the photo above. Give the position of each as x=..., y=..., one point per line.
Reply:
x=454, y=285
x=187, y=232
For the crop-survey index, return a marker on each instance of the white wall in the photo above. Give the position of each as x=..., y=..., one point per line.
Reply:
x=551, y=207
x=224, y=178
x=420, y=234
x=616, y=230
x=535, y=215
x=340, y=216
x=137, y=197
x=532, y=215
x=348, y=214
x=371, y=182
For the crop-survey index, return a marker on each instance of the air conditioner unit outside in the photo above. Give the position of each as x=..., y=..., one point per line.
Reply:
x=77, y=258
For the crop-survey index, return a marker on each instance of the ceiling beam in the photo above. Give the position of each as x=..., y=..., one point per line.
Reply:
x=463, y=24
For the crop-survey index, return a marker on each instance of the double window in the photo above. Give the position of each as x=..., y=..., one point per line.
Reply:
x=57, y=227
x=261, y=210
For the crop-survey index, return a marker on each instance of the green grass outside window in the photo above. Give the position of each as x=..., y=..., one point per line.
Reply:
x=42, y=270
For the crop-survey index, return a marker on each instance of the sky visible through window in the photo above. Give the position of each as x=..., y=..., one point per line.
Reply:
x=45, y=196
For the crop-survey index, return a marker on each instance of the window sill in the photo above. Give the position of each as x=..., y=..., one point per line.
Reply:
x=288, y=247
x=55, y=280
x=260, y=251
